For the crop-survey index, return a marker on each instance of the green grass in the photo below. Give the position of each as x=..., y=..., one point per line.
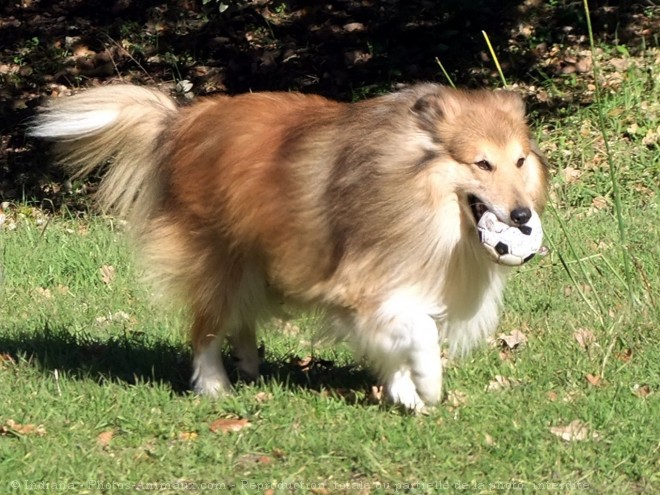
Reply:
x=105, y=372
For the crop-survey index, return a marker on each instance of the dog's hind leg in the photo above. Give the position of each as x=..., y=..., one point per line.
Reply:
x=245, y=352
x=253, y=305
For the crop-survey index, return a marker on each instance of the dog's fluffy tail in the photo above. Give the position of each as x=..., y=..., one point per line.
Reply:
x=120, y=125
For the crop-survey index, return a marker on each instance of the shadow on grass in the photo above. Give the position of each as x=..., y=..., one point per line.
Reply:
x=137, y=358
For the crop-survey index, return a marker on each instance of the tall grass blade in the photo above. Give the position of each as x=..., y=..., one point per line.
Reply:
x=613, y=173
x=495, y=59
x=444, y=71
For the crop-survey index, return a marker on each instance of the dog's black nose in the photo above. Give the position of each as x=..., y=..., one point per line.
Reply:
x=521, y=215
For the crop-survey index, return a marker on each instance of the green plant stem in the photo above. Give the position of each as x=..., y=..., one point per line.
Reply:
x=495, y=59
x=618, y=208
x=444, y=71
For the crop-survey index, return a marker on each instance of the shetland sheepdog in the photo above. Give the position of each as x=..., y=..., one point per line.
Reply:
x=368, y=211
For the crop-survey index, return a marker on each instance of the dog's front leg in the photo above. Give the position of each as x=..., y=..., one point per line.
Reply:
x=209, y=375
x=404, y=347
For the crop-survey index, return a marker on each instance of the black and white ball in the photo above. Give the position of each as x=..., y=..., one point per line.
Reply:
x=509, y=245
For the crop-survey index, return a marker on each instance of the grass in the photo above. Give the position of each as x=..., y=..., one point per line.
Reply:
x=93, y=378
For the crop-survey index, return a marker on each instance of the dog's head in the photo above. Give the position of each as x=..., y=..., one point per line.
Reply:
x=494, y=164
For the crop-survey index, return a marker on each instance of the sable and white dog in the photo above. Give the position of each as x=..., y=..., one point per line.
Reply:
x=366, y=210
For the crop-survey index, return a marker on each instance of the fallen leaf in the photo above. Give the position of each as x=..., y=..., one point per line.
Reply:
x=594, y=380
x=263, y=396
x=187, y=436
x=255, y=459
x=624, y=355
x=45, y=293
x=456, y=398
x=620, y=64
x=575, y=431
x=107, y=274
x=552, y=396
x=599, y=202
x=226, y=425
x=500, y=383
x=489, y=440
x=6, y=360
x=513, y=340
x=104, y=438
x=279, y=453
x=642, y=391
x=572, y=396
x=12, y=428
x=571, y=174
x=584, y=337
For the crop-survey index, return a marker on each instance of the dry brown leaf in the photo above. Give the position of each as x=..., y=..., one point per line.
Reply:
x=620, y=64
x=513, y=340
x=489, y=440
x=225, y=425
x=187, y=436
x=594, y=380
x=599, y=203
x=107, y=274
x=624, y=356
x=104, y=438
x=255, y=459
x=500, y=383
x=552, y=396
x=279, y=453
x=575, y=431
x=456, y=398
x=263, y=396
x=642, y=391
x=44, y=292
x=584, y=337
x=6, y=360
x=571, y=174
x=13, y=428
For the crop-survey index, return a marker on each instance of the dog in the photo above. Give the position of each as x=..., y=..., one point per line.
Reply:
x=244, y=204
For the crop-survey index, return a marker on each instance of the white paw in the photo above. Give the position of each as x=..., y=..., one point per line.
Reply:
x=401, y=390
x=210, y=385
x=209, y=375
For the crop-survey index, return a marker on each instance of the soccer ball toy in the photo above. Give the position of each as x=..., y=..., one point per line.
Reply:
x=507, y=245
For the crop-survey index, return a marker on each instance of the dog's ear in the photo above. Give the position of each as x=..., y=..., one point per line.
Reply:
x=441, y=105
x=541, y=158
x=534, y=148
x=510, y=102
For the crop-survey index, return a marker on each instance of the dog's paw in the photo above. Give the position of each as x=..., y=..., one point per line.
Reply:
x=210, y=385
x=209, y=375
x=401, y=390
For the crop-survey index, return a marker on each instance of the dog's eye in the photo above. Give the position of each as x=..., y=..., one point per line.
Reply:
x=484, y=165
x=520, y=162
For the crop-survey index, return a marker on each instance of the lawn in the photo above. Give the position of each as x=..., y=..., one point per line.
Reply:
x=564, y=399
